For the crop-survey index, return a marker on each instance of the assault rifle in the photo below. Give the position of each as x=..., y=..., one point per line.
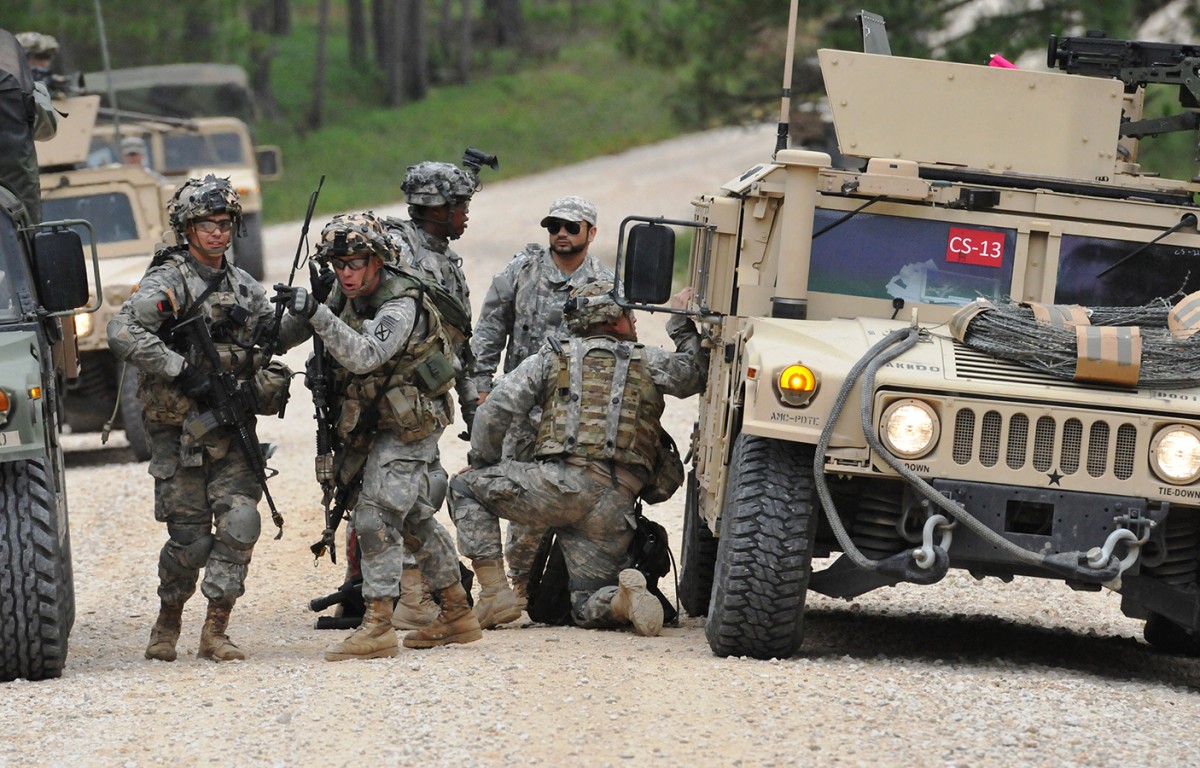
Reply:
x=318, y=384
x=1135, y=64
x=232, y=405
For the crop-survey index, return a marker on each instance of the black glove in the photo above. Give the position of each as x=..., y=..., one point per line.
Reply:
x=297, y=300
x=321, y=281
x=468, y=414
x=194, y=382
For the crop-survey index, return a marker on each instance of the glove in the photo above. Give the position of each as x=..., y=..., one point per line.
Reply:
x=298, y=300
x=194, y=382
x=321, y=281
x=468, y=414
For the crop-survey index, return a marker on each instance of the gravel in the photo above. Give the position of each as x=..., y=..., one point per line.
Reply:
x=964, y=673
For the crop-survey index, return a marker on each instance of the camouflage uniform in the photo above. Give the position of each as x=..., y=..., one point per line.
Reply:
x=205, y=490
x=533, y=288
x=577, y=485
x=45, y=124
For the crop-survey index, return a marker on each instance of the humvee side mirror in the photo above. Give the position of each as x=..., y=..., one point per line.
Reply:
x=60, y=270
x=650, y=264
x=269, y=160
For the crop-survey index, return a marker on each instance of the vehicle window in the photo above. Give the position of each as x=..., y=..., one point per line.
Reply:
x=1160, y=271
x=8, y=286
x=918, y=260
x=110, y=214
x=191, y=150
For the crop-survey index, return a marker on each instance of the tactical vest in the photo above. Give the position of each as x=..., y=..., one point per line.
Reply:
x=409, y=394
x=601, y=403
x=162, y=402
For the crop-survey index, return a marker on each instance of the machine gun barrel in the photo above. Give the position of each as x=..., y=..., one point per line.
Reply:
x=1133, y=62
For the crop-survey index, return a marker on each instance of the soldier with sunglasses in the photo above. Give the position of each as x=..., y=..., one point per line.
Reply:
x=523, y=306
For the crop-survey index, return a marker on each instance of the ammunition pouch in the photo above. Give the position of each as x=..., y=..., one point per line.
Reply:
x=270, y=387
x=162, y=402
x=668, y=471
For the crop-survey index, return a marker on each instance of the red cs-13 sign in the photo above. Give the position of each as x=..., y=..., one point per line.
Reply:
x=975, y=246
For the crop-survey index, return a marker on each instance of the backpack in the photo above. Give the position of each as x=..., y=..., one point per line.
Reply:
x=549, y=594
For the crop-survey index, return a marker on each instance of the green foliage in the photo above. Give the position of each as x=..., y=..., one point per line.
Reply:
x=533, y=120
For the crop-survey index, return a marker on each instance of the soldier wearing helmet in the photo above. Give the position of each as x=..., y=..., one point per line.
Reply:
x=390, y=338
x=206, y=491
x=523, y=306
x=438, y=196
x=39, y=53
x=601, y=397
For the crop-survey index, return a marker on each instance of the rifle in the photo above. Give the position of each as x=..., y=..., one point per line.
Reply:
x=1135, y=64
x=318, y=384
x=231, y=406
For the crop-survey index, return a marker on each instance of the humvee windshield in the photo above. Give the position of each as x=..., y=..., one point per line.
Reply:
x=9, y=308
x=1158, y=272
x=110, y=214
x=192, y=150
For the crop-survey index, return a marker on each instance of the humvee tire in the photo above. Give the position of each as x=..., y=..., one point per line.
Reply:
x=248, y=249
x=698, y=555
x=764, y=553
x=131, y=416
x=37, y=597
x=1168, y=637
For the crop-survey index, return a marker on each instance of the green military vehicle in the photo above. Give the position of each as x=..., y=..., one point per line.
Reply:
x=43, y=283
x=126, y=207
x=971, y=349
x=195, y=120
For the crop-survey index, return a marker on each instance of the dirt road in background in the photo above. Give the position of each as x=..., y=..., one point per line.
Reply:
x=963, y=673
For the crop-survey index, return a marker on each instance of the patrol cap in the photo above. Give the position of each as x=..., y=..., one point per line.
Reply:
x=37, y=44
x=131, y=144
x=571, y=208
x=591, y=303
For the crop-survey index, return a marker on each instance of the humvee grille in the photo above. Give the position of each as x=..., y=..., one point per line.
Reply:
x=1102, y=446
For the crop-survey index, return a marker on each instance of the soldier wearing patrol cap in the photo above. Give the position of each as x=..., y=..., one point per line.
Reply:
x=523, y=306
x=390, y=341
x=588, y=468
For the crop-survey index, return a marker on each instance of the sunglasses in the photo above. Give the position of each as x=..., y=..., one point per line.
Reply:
x=209, y=227
x=355, y=264
x=572, y=227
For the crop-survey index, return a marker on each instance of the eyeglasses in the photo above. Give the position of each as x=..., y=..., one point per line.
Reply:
x=572, y=227
x=208, y=226
x=357, y=263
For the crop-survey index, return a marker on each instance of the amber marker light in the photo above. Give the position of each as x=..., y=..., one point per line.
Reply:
x=5, y=406
x=797, y=384
x=35, y=393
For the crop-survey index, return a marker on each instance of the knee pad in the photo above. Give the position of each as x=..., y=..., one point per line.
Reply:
x=237, y=531
x=438, y=482
x=185, y=559
x=371, y=530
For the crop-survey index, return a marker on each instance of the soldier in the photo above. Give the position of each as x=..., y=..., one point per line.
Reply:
x=601, y=395
x=205, y=489
x=39, y=52
x=392, y=373
x=533, y=287
x=438, y=197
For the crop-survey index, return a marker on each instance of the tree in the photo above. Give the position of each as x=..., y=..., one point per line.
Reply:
x=504, y=23
x=316, y=112
x=356, y=32
x=264, y=25
x=414, y=59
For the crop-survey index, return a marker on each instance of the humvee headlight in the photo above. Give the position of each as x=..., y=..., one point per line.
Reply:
x=5, y=406
x=796, y=384
x=909, y=428
x=83, y=324
x=1175, y=454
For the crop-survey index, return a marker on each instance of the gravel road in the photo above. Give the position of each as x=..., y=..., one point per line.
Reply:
x=964, y=673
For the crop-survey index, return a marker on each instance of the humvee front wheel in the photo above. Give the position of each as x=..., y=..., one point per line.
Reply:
x=764, y=554
x=698, y=555
x=37, y=598
x=1168, y=637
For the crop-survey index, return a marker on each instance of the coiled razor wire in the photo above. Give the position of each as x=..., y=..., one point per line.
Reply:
x=1010, y=332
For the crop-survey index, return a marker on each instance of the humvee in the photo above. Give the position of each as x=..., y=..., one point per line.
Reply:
x=195, y=120
x=43, y=282
x=126, y=208
x=852, y=408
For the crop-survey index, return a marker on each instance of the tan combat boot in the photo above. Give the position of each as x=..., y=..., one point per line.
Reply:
x=214, y=643
x=520, y=588
x=416, y=609
x=374, y=639
x=165, y=633
x=634, y=603
x=497, y=603
x=455, y=624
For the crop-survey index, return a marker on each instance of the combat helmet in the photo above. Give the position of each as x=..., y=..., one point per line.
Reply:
x=349, y=233
x=37, y=44
x=591, y=303
x=433, y=183
x=198, y=198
